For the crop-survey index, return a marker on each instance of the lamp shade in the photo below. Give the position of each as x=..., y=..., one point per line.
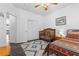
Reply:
x=62, y=32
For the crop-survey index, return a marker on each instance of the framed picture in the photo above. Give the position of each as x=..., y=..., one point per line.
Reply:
x=61, y=21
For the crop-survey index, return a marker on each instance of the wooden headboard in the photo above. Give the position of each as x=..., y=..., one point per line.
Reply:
x=72, y=30
x=73, y=34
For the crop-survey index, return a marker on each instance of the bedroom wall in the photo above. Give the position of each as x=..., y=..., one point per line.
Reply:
x=72, y=18
x=22, y=26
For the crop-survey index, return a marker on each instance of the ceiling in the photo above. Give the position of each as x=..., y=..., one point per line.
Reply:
x=30, y=7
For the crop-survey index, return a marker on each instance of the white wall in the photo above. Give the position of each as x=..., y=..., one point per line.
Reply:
x=72, y=17
x=22, y=25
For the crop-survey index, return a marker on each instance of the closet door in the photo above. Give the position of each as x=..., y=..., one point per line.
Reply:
x=33, y=29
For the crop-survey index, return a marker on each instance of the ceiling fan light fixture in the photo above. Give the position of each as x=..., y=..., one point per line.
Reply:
x=46, y=9
x=45, y=5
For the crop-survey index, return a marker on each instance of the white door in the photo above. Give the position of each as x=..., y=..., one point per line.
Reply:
x=33, y=29
x=12, y=28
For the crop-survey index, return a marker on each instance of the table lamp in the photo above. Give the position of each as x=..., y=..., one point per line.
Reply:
x=62, y=33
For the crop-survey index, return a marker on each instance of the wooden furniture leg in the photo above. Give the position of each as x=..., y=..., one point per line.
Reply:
x=46, y=50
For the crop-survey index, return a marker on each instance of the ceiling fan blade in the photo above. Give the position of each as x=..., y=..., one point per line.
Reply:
x=37, y=5
x=54, y=3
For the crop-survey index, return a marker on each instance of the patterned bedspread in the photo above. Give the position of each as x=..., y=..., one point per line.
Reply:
x=67, y=44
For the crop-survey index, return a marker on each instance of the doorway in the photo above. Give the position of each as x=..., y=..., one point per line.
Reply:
x=11, y=27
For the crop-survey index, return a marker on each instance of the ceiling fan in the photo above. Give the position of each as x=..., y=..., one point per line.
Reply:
x=44, y=5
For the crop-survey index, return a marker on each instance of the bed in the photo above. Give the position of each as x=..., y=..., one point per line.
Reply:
x=68, y=46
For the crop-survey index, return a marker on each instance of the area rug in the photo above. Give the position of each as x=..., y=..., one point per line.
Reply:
x=34, y=47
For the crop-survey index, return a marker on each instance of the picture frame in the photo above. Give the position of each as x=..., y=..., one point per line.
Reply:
x=61, y=21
